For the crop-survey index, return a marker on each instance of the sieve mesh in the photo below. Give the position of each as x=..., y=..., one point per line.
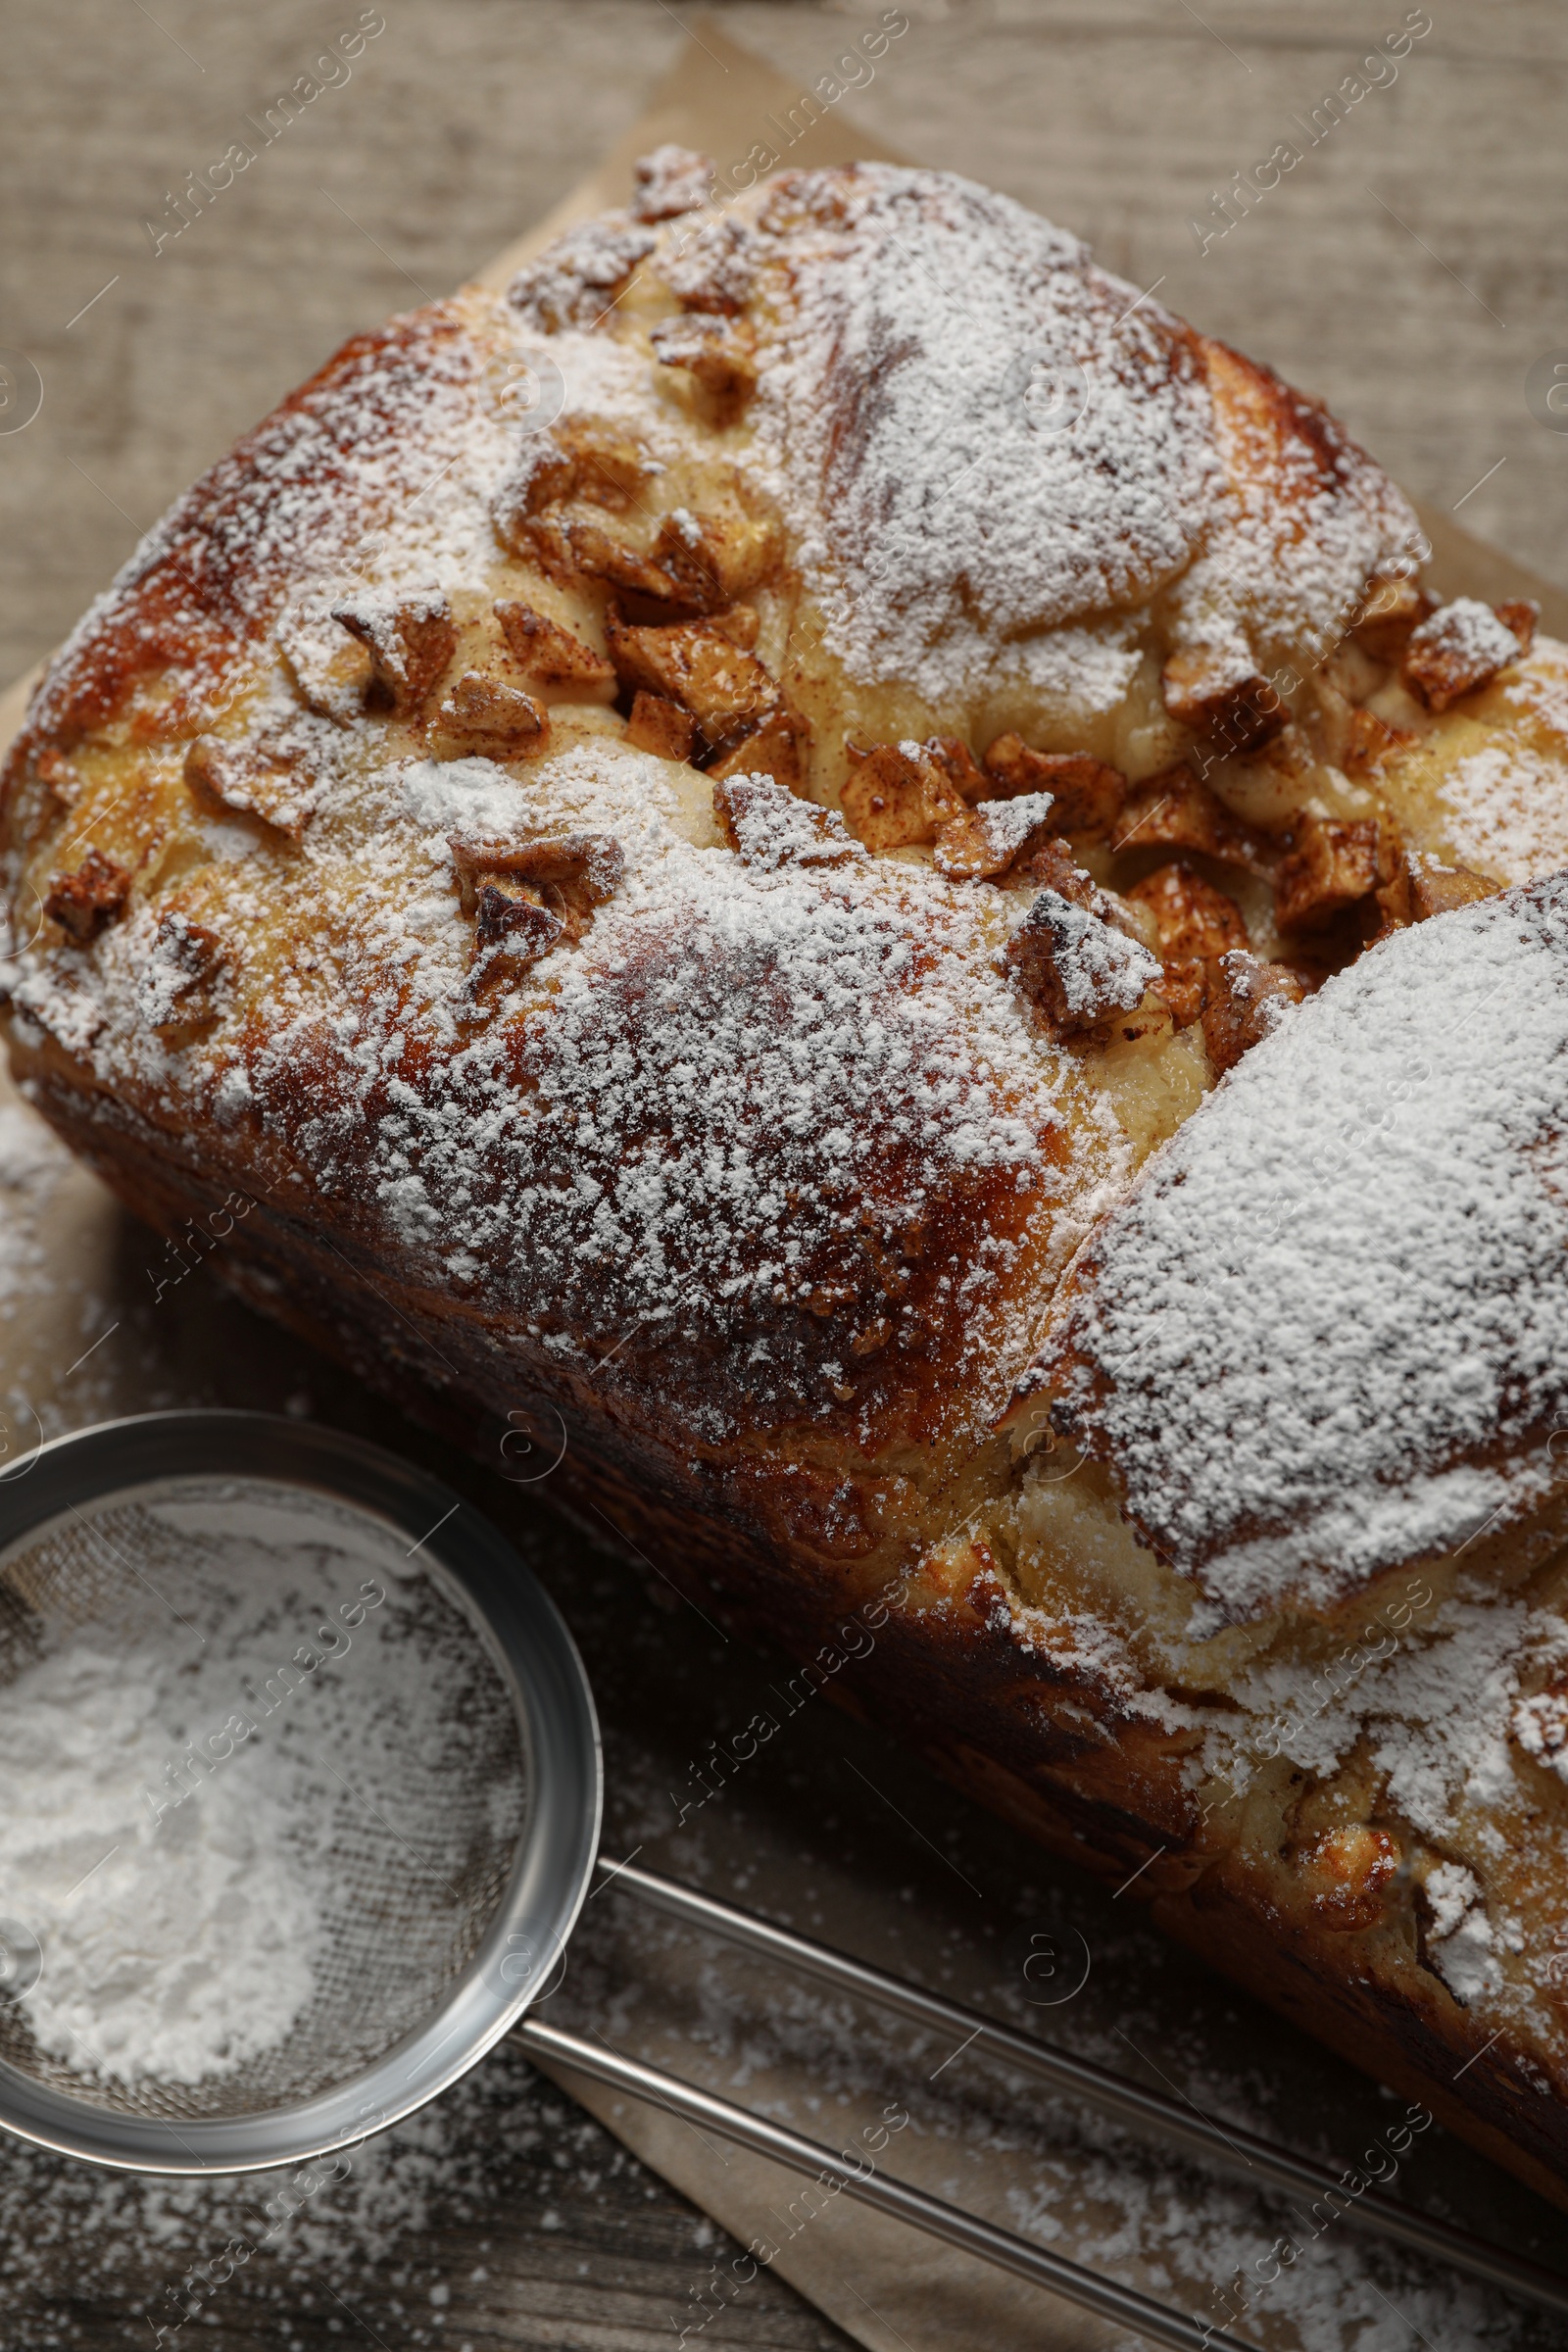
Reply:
x=402, y=1756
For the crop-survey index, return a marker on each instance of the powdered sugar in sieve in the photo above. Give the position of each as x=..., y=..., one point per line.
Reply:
x=265, y=1789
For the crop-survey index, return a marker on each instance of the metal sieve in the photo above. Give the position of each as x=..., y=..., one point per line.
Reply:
x=453, y=1824
x=441, y=1891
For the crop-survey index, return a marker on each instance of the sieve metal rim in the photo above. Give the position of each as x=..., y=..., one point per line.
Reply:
x=529, y=1641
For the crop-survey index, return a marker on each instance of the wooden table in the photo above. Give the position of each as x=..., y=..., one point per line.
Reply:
x=1409, y=269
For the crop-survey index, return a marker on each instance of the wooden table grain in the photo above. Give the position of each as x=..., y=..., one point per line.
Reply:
x=1408, y=267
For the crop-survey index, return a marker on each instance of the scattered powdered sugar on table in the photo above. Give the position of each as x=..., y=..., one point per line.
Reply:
x=1277, y=2271
x=386, y=2240
x=31, y=1162
x=1330, y=1330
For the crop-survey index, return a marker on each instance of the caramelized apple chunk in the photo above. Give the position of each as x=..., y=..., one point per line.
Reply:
x=482, y=711
x=1088, y=795
x=178, y=992
x=711, y=560
x=897, y=797
x=251, y=783
x=1221, y=697
x=1392, y=609
x=1436, y=889
x=1076, y=969
x=1176, y=811
x=83, y=902
x=672, y=181
x=963, y=769
x=1370, y=741
x=1464, y=645
x=564, y=545
x=714, y=268
x=409, y=637
x=1244, y=999
x=661, y=727
x=548, y=653
x=769, y=826
x=567, y=874
x=988, y=842
x=515, y=923
x=1333, y=864
x=1196, y=923
x=1346, y=1872
x=607, y=466
x=774, y=744
x=697, y=665
x=715, y=354
x=575, y=281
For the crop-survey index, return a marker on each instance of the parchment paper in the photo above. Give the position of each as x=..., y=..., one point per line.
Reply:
x=822, y=1823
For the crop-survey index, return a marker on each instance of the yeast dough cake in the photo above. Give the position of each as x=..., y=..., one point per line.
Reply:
x=823, y=859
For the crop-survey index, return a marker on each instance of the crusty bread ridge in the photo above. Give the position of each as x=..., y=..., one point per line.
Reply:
x=828, y=861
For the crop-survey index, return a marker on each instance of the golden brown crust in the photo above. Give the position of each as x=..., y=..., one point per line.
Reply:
x=211, y=579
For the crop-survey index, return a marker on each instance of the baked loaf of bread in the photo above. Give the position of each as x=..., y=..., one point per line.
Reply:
x=828, y=854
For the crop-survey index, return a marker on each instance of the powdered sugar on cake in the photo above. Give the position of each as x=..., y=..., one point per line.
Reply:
x=1505, y=815
x=747, y=1071
x=749, y=1146
x=995, y=452
x=1471, y=635
x=973, y=442
x=1302, y=529
x=350, y=460
x=1329, y=1331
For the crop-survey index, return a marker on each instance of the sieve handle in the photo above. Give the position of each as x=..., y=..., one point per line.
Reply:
x=700, y=2108
x=1228, y=2144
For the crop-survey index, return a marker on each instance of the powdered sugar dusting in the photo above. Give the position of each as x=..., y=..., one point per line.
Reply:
x=973, y=441
x=384, y=452
x=746, y=1069
x=575, y=281
x=1003, y=826
x=773, y=827
x=1331, y=1329
x=1302, y=529
x=1436, y=1712
x=1468, y=633
x=1505, y=809
x=1098, y=969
